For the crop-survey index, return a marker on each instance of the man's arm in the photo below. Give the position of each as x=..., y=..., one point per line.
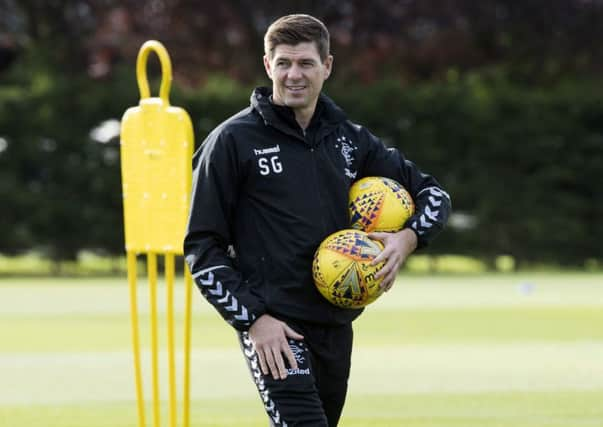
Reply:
x=216, y=184
x=432, y=205
x=213, y=207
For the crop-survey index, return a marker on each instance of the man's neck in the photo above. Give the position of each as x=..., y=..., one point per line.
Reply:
x=304, y=116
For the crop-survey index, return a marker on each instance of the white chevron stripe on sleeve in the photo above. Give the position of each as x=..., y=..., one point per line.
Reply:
x=435, y=203
x=432, y=215
x=224, y=299
x=234, y=306
x=415, y=226
x=434, y=191
x=218, y=290
x=243, y=316
x=424, y=222
x=209, y=281
x=207, y=270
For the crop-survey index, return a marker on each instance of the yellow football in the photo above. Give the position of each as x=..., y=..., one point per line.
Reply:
x=342, y=269
x=379, y=204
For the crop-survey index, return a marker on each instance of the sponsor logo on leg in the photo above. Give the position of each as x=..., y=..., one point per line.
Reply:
x=298, y=349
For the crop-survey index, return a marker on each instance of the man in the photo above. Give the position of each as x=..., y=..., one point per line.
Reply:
x=270, y=184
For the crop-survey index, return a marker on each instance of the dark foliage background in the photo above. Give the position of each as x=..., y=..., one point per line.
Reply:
x=501, y=100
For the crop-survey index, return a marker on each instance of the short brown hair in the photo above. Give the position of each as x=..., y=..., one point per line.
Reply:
x=295, y=29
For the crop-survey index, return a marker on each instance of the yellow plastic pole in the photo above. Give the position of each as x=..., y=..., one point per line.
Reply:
x=157, y=144
x=188, y=285
x=152, y=274
x=169, y=281
x=132, y=273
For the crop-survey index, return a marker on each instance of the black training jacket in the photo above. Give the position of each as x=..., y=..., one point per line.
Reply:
x=266, y=193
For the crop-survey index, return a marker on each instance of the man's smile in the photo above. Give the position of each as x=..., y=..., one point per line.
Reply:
x=296, y=88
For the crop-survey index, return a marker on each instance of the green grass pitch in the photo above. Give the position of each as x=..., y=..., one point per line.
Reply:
x=518, y=350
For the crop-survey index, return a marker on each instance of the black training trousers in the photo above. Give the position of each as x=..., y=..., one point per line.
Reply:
x=312, y=395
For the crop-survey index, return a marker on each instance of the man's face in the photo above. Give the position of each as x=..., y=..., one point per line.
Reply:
x=297, y=74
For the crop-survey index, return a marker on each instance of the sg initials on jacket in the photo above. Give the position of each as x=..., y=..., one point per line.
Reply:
x=268, y=160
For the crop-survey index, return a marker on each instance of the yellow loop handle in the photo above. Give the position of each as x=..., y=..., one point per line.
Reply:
x=166, y=70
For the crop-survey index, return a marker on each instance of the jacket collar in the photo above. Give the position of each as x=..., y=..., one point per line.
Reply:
x=283, y=118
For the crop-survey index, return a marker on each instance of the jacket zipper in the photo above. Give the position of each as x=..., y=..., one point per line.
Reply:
x=303, y=138
x=316, y=183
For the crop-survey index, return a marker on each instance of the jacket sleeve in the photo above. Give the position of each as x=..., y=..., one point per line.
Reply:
x=432, y=203
x=216, y=183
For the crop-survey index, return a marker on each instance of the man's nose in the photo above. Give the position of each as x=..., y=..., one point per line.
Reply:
x=295, y=72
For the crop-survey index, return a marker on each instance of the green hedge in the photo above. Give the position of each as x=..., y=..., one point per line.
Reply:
x=524, y=165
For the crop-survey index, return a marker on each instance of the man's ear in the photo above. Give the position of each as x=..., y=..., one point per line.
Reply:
x=267, y=66
x=328, y=66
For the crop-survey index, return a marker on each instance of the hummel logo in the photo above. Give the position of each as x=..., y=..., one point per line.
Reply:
x=275, y=149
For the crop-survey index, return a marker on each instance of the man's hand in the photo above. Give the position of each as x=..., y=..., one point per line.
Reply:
x=269, y=336
x=397, y=247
